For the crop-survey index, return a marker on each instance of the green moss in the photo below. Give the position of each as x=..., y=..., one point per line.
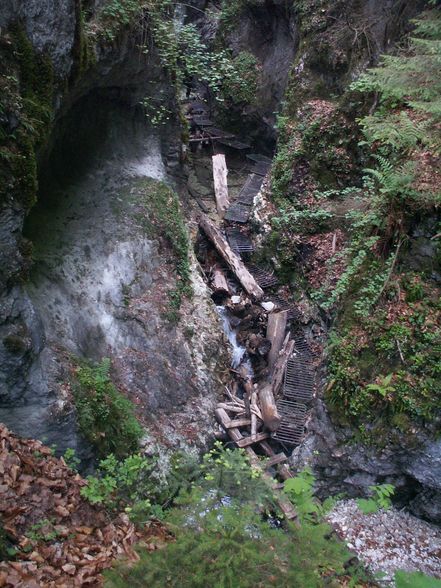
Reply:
x=26, y=103
x=384, y=369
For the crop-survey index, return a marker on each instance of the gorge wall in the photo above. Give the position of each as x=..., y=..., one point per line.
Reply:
x=91, y=277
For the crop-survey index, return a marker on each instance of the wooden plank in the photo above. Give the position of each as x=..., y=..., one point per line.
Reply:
x=237, y=423
x=277, y=322
x=246, y=441
x=234, y=262
x=281, y=363
x=268, y=407
x=220, y=174
x=275, y=460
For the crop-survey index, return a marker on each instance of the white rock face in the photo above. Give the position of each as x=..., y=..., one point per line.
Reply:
x=268, y=306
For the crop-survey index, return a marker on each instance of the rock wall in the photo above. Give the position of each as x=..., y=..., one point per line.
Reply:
x=98, y=284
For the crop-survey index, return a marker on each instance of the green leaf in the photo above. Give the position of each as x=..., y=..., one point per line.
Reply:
x=367, y=506
x=415, y=580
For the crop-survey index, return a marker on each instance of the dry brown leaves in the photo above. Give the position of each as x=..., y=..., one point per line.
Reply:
x=324, y=247
x=36, y=487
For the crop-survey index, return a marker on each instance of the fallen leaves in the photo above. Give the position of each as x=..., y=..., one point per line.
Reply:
x=62, y=540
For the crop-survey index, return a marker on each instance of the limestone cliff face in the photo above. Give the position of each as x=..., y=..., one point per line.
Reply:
x=51, y=26
x=98, y=282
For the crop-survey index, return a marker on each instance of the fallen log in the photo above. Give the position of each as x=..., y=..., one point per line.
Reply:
x=276, y=460
x=280, y=367
x=220, y=174
x=268, y=407
x=275, y=332
x=219, y=283
x=234, y=262
x=201, y=205
x=285, y=505
x=237, y=423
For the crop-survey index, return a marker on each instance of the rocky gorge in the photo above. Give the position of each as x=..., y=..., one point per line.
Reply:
x=95, y=147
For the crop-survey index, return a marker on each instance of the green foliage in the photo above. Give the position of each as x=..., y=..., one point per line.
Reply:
x=7, y=548
x=229, y=473
x=105, y=417
x=231, y=10
x=155, y=111
x=302, y=221
x=241, y=87
x=380, y=499
x=410, y=78
x=387, y=371
x=415, y=580
x=300, y=491
x=131, y=485
x=394, y=183
x=230, y=546
x=26, y=95
x=71, y=459
x=44, y=530
x=115, y=15
x=398, y=132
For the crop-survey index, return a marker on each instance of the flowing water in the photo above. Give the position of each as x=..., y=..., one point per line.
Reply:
x=239, y=352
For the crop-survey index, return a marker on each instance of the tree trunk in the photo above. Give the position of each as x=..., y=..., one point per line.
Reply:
x=219, y=282
x=220, y=174
x=268, y=407
x=234, y=262
x=280, y=367
x=276, y=334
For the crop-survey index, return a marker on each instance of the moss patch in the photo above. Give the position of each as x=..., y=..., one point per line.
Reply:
x=384, y=370
x=157, y=207
x=26, y=112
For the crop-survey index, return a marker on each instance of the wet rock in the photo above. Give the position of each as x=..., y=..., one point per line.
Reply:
x=342, y=466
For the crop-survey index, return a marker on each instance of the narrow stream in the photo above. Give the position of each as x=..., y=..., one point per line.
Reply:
x=239, y=352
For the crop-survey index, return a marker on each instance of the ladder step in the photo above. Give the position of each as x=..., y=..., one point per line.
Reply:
x=279, y=458
x=247, y=441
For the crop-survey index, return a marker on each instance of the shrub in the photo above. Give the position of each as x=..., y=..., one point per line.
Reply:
x=105, y=417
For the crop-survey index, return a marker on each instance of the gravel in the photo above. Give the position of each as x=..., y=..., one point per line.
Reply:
x=388, y=540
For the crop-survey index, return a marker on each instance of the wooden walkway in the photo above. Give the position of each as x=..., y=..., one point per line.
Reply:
x=258, y=417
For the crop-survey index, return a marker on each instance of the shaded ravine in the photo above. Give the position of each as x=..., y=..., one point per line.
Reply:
x=99, y=287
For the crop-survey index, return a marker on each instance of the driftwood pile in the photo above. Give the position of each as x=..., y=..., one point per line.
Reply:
x=61, y=539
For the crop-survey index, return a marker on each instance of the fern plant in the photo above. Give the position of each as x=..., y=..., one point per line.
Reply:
x=410, y=79
x=381, y=499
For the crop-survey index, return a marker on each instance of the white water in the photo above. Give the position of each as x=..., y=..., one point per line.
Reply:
x=238, y=351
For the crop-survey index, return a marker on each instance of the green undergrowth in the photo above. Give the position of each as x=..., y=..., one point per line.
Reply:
x=157, y=207
x=384, y=368
x=26, y=112
x=220, y=534
x=114, y=16
x=106, y=418
x=384, y=375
